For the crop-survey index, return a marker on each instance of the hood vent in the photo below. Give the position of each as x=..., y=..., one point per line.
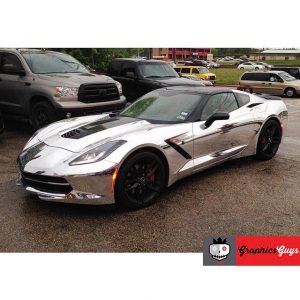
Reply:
x=71, y=134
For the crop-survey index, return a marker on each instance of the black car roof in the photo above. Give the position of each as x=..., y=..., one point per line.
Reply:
x=138, y=60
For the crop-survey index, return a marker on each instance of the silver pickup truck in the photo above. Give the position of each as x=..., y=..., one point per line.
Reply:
x=45, y=86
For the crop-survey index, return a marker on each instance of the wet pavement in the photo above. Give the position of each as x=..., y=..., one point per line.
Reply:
x=241, y=197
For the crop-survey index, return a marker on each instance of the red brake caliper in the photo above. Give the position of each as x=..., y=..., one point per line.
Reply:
x=263, y=139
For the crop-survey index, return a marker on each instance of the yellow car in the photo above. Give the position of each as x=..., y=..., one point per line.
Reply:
x=200, y=72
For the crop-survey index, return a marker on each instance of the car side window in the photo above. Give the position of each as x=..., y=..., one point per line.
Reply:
x=242, y=99
x=195, y=71
x=177, y=70
x=127, y=67
x=223, y=102
x=185, y=70
x=275, y=78
x=10, y=61
x=114, y=68
x=294, y=72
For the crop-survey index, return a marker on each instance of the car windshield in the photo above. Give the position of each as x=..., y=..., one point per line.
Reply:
x=50, y=62
x=149, y=70
x=164, y=106
x=286, y=76
x=203, y=70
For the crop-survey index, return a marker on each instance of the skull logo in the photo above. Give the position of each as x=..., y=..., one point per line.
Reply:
x=219, y=249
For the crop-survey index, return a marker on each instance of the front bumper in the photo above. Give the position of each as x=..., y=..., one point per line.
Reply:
x=70, y=109
x=92, y=189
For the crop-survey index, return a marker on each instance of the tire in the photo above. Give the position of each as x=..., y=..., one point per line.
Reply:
x=256, y=69
x=42, y=114
x=135, y=189
x=290, y=92
x=268, y=140
x=241, y=68
x=248, y=90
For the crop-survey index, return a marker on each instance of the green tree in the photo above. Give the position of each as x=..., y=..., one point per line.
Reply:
x=99, y=58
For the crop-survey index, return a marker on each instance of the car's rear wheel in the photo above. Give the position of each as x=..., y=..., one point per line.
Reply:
x=268, y=140
x=256, y=68
x=290, y=92
x=140, y=180
x=42, y=114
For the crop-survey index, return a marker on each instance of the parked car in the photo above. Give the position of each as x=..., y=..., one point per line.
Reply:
x=193, y=77
x=185, y=63
x=166, y=135
x=270, y=82
x=199, y=62
x=1, y=123
x=200, y=72
x=212, y=64
x=293, y=71
x=45, y=86
x=250, y=66
x=139, y=77
x=267, y=66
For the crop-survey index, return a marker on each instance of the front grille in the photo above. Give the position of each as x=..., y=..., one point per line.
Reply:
x=212, y=77
x=45, y=183
x=93, y=93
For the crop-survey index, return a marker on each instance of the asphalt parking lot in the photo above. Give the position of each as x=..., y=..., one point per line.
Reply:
x=241, y=197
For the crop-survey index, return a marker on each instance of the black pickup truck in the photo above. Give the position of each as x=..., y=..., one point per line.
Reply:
x=140, y=76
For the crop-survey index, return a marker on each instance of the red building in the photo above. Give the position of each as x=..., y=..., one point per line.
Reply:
x=182, y=53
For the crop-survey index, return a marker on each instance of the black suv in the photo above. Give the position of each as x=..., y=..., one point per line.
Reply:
x=140, y=76
x=294, y=71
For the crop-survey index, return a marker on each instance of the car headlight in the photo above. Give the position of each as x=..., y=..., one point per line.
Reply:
x=98, y=153
x=63, y=91
x=119, y=86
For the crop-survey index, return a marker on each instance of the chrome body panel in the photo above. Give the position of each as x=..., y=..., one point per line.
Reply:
x=186, y=147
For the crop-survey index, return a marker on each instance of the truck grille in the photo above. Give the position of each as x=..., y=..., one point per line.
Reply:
x=44, y=183
x=212, y=77
x=93, y=93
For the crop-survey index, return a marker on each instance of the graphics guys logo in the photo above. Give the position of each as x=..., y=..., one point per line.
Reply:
x=219, y=249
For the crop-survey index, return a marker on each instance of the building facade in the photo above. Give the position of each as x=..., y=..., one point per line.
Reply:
x=276, y=54
x=181, y=53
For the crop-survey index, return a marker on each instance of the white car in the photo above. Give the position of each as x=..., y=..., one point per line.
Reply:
x=250, y=66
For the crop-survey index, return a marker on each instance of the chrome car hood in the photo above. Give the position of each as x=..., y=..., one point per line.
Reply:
x=85, y=132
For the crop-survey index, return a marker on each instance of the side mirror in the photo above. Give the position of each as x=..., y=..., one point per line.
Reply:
x=130, y=75
x=13, y=70
x=216, y=116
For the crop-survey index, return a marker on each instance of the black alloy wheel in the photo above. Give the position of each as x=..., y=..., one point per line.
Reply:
x=269, y=140
x=140, y=180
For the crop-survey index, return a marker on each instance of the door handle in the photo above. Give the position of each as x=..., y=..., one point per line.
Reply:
x=263, y=83
x=27, y=83
x=270, y=83
x=0, y=79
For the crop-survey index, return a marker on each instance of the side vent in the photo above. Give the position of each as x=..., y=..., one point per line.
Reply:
x=253, y=104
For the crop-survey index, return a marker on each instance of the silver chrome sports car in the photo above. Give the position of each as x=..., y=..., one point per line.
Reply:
x=164, y=136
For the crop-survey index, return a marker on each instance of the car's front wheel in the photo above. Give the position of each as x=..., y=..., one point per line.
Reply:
x=268, y=140
x=42, y=114
x=140, y=180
